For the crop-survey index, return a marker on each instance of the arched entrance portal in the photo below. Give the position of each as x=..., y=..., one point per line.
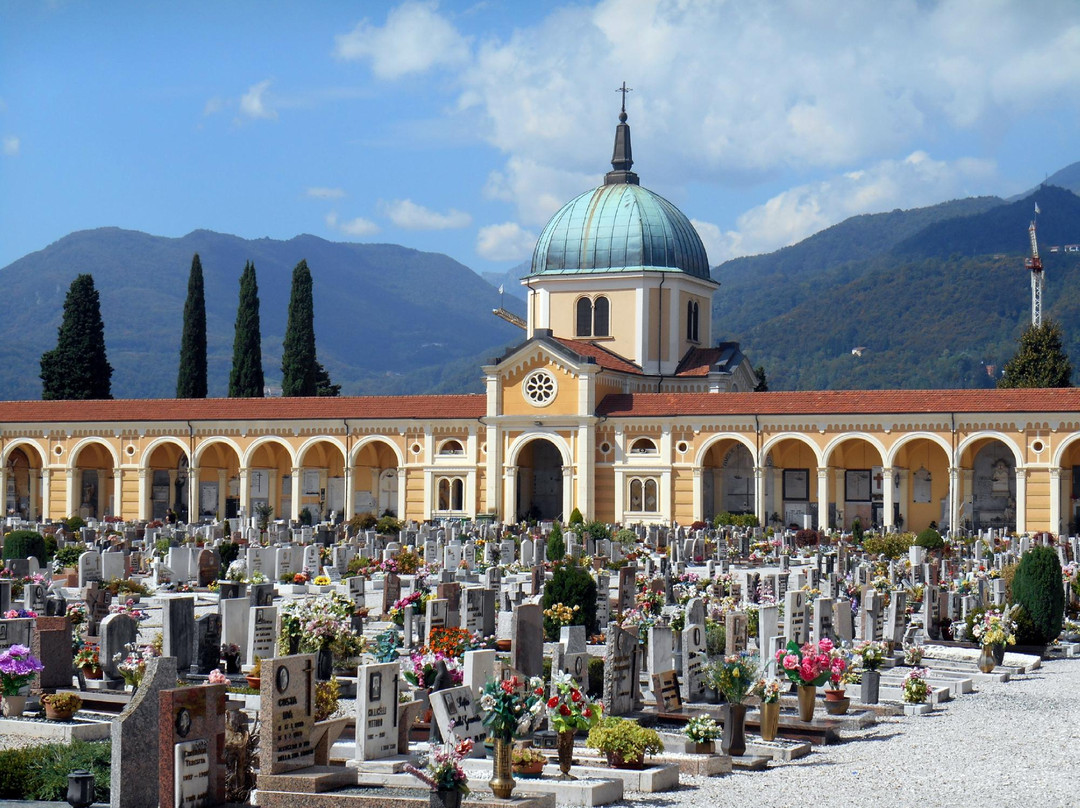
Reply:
x=727, y=480
x=540, y=481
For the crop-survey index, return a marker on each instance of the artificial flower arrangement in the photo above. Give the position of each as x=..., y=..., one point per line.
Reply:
x=422, y=666
x=322, y=580
x=88, y=657
x=511, y=706
x=809, y=664
x=77, y=614
x=132, y=664
x=17, y=669
x=767, y=691
x=734, y=676
x=216, y=677
x=317, y=623
x=131, y=609
x=915, y=688
x=418, y=599
x=257, y=578
x=839, y=663
x=702, y=729
x=995, y=627
x=871, y=654
x=913, y=655
x=237, y=571
x=442, y=766
x=560, y=614
x=12, y=614
x=569, y=709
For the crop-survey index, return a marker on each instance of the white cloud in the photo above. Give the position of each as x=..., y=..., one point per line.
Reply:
x=254, y=104
x=213, y=106
x=407, y=214
x=414, y=39
x=802, y=211
x=11, y=145
x=537, y=190
x=351, y=227
x=505, y=242
x=326, y=193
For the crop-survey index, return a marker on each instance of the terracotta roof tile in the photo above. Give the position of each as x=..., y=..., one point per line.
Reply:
x=841, y=402
x=604, y=358
x=698, y=362
x=251, y=409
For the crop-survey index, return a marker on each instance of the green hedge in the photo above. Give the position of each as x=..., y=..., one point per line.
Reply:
x=573, y=586
x=25, y=543
x=40, y=772
x=1037, y=588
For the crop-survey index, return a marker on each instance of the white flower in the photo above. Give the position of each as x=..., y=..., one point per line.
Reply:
x=487, y=702
x=562, y=678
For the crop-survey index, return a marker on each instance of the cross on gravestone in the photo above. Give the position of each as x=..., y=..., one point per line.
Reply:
x=287, y=705
x=376, y=710
x=694, y=660
x=191, y=745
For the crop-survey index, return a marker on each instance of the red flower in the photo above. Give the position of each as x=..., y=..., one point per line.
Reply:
x=587, y=712
x=575, y=695
x=553, y=701
x=539, y=691
x=508, y=686
x=564, y=710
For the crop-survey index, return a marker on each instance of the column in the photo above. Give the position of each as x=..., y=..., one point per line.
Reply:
x=905, y=495
x=401, y=479
x=699, y=507
x=1055, y=501
x=245, y=495
x=494, y=460
x=760, y=509
x=954, y=499
x=194, y=506
x=839, y=492
x=887, y=498
x=1021, y=500
x=274, y=492
x=568, y=492
x=222, y=492
x=586, y=457
x=31, y=495
x=823, y=498
x=3, y=487
x=118, y=492
x=509, y=513
x=74, y=487
x=46, y=506
x=297, y=473
x=144, y=494
x=347, y=509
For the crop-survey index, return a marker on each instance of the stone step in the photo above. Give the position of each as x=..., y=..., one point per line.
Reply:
x=377, y=797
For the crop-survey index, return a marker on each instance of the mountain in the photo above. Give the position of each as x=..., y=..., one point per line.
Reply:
x=384, y=314
x=510, y=281
x=933, y=296
x=1067, y=178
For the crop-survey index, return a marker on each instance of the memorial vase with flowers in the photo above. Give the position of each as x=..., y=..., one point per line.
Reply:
x=511, y=708
x=17, y=669
x=808, y=667
x=570, y=710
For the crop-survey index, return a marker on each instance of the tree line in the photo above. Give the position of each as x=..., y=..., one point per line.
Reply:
x=78, y=368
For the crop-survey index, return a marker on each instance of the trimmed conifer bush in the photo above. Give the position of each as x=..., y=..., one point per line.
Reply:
x=930, y=539
x=1037, y=588
x=571, y=585
x=23, y=544
x=556, y=547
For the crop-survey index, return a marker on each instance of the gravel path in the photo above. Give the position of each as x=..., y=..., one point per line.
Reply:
x=1009, y=744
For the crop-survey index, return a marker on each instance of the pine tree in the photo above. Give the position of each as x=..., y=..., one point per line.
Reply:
x=298, y=365
x=191, y=379
x=77, y=367
x=246, y=377
x=1040, y=361
x=762, y=385
x=323, y=385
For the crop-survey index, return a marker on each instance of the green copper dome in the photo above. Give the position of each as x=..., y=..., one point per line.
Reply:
x=619, y=227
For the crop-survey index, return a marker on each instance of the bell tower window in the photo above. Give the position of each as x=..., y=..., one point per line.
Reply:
x=692, y=321
x=593, y=317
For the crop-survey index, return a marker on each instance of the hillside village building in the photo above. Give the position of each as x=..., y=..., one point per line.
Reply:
x=617, y=403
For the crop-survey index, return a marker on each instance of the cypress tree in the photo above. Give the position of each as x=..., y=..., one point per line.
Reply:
x=1040, y=360
x=246, y=377
x=323, y=385
x=298, y=366
x=191, y=380
x=77, y=367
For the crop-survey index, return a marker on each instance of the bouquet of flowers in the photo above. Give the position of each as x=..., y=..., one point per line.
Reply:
x=560, y=614
x=734, y=676
x=17, y=669
x=129, y=608
x=320, y=622
x=87, y=657
x=12, y=614
x=237, y=571
x=511, y=706
x=442, y=766
x=838, y=668
x=913, y=655
x=77, y=614
x=570, y=709
x=417, y=599
x=871, y=654
x=702, y=729
x=915, y=687
x=808, y=665
x=421, y=668
x=132, y=665
x=768, y=692
x=995, y=628
x=322, y=580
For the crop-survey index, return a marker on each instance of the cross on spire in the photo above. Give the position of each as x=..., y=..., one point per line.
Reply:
x=624, y=90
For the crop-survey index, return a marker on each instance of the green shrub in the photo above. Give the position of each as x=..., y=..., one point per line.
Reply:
x=1026, y=631
x=856, y=530
x=73, y=524
x=1037, y=588
x=363, y=521
x=23, y=544
x=40, y=772
x=625, y=537
x=229, y=551
x=597, y=530
x=571, y=585
x=596, y=677
x=930, y=539
x=715, y=638
x=623, y=737
x=556, y=547
x=50, y=547
x=576, y=518
x=892, y=546
x=68, y=556
x=388, y=526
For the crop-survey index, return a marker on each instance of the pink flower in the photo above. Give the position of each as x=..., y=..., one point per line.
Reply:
x=791, y=662
x=825, y=644
x=217, y=678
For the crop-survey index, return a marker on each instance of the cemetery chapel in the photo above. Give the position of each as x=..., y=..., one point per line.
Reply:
x=618, y=403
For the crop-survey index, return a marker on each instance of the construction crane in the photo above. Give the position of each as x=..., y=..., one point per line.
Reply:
x=1037, y=280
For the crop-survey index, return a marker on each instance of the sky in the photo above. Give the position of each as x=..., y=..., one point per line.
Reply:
x=461, y=127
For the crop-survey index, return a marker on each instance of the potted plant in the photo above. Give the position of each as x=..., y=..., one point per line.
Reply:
x=254, y=676
x=17, y=669
x=836, y=702
x=769, y=693
x=871, y=655
x=913, y=655
x=808, y=668
x=61, y=706
x=734, y=676
x=441, y=771
x=88, y=660
x=624, y=742
x=511, y=706
x=702, y=731
x=527, y=761
x=569, y=710
x=915, y=688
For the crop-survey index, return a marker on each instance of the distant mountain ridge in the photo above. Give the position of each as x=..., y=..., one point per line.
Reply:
x=382, y=312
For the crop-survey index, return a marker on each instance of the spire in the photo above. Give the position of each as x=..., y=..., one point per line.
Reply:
x=622, y=158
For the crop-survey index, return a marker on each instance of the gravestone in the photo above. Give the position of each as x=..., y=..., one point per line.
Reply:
x=97, y=607
x=135, y=739
x=235, y=615
x=694, y=662
x=660, y=651
x=208, y=566
x=823, y=619
x=843, y=621
x=479, y=612
x=736, y=628
x=768, y=625
x=191, y=746
x=666, y=691
x=627, y=588
x=575, y=665
x=457, y=710
x=178, y=630
x=527, y=639
x=15, y=631
x=113, y=566
x=391, y=591
x=377, y=711
x=89, y=568
x=261, y=594
x=796, y=617
x=287, y=703
x=34, y=597
x=436, y=616
x=871, y=617
x=262, y=633
x=51, y=643
x=603, y=599
x=621, y=670
x=117, y=631
x=479, y=668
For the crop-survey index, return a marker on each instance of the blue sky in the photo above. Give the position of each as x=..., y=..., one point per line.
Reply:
x=460, y=127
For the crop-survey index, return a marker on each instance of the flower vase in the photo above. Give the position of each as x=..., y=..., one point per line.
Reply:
x=232, y=663
x=566, y=754
x=836, y=702
x=444, y=798
x=807, y=700
x=998, y=650
x=770, y=720
x=868, y=688
x=705, y=748
x=92, y=673
x=734, y=739
x=13, y=706
x=986, y=661
x=502, y=781
x=324, y=664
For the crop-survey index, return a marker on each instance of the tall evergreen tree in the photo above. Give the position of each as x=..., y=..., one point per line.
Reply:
x=298, y=365
x=323, y=385
x=246, y=377
x=1040, y=361
x=191, y=380
x=77, y=367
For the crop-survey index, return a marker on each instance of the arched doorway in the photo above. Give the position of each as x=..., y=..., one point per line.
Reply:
x=93, y=484
x=23, y=496
x=727, y=479
x=168, y=482
x=992, y=492
x=922, y=484
x=375, y=478
x=540, y=481
x=218, y=493
x=857, y=486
